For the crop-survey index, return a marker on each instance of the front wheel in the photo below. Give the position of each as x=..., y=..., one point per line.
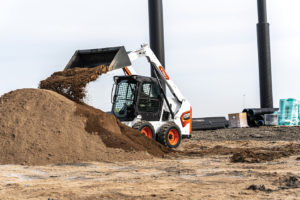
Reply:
x=145, y=128
x=170, y=135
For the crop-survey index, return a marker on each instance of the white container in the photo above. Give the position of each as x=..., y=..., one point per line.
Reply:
x=271, y=119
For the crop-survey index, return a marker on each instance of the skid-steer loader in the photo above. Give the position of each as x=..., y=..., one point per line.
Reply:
x=138, y=101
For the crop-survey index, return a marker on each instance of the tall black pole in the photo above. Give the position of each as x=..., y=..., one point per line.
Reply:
x=156, y=30
x=264, y=56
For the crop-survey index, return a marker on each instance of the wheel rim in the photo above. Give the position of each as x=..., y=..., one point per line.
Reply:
x=147, y=132
x=173, y=137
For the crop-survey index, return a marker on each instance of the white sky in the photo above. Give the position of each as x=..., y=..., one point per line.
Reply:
x=211, y=51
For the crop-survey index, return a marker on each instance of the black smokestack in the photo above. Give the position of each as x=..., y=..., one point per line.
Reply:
x=264, y=56
x=156, y=29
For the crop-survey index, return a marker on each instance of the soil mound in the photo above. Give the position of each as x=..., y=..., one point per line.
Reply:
x=262, y=155
x=259, y=188
x=289, y=182
x=40, y=127
x=72, y=82
x=250, y=156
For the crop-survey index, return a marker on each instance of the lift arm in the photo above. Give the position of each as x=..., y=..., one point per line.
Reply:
x=118, y=58
x=145, y=51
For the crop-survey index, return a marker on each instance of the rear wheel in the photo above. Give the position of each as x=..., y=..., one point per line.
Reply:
x=170, y=135
x=145, y=128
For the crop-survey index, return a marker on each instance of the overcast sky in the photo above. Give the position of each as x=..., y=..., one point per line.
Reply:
x=210, y=46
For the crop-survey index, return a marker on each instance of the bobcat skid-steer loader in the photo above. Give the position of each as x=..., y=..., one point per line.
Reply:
x=138, y=101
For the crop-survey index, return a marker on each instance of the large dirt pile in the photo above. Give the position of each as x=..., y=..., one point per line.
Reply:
x=72, y=82
x=42, y=127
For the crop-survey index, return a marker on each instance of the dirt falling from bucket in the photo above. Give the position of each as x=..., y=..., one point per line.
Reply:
x=71, y=83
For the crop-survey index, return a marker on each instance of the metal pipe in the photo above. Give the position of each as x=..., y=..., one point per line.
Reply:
x=264, y=56
x=262, y=11
x=156, y=30
x=259, y=111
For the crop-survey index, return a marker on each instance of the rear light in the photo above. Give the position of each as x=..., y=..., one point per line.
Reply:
x=191, y=120
x=186, y=118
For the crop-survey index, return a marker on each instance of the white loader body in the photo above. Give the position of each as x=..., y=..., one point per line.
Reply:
x=179, y=104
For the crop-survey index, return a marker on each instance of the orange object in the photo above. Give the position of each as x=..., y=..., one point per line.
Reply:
x=164, y=72
x=147, y=132
x=173, y=137
x=127, y=71
x=191, y=117
x=185, y=121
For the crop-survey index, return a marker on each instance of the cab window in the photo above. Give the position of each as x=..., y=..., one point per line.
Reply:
x=150, y=98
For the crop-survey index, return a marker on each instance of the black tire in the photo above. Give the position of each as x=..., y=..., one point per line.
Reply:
x=166, y=131
x=144, y=125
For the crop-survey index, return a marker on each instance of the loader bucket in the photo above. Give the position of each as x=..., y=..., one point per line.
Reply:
x=114, y=58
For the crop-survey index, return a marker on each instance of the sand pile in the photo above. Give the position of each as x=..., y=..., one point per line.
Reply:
x=41, y=127
x=72, y=82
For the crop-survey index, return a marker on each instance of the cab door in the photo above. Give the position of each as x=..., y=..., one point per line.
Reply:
x=150, y=101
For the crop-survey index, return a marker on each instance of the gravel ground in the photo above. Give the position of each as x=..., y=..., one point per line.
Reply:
x=266, y=133
x=266, y=166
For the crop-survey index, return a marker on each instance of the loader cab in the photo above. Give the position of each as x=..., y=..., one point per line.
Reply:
x=136, y=95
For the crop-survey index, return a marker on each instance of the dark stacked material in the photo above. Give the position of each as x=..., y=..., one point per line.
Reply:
x=209, y=123
x=255, y=116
